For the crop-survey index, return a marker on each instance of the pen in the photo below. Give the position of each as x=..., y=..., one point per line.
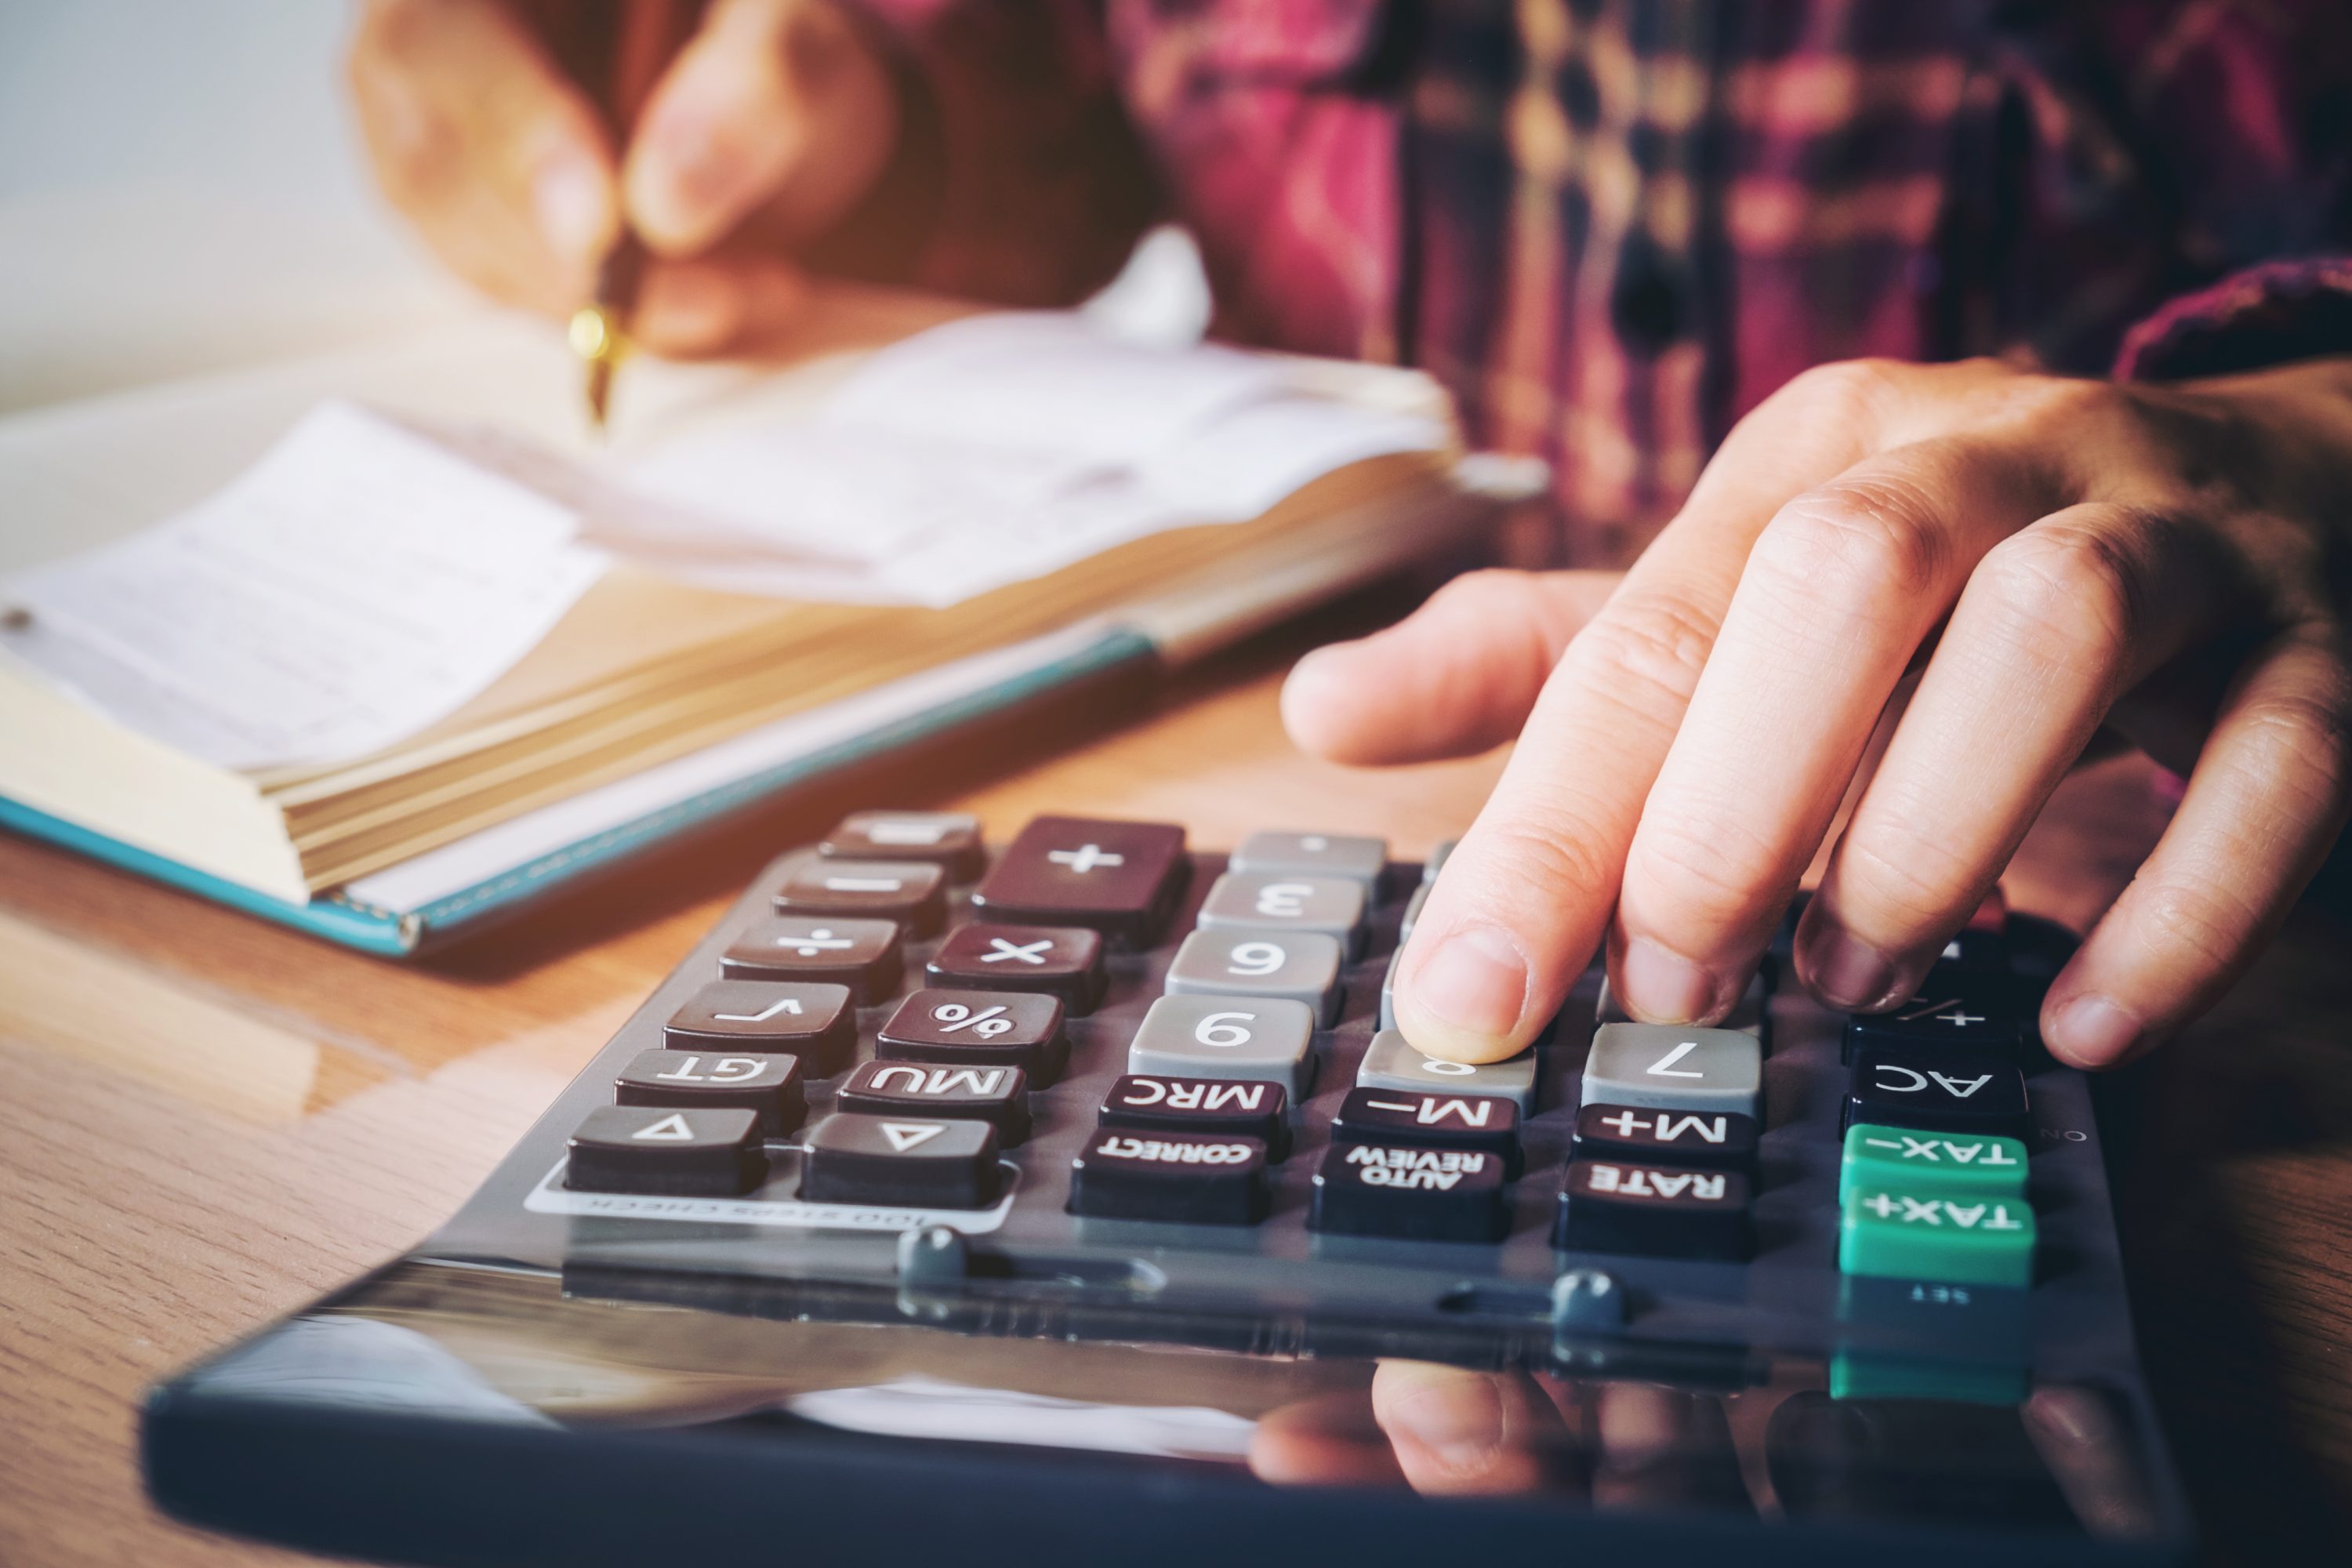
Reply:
x=618, y=53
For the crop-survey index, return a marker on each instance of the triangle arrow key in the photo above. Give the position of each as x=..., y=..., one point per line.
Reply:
x=670, y=1129
x=906, y=1136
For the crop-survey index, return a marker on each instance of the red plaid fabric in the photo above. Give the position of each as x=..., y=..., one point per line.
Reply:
x=1613, y=226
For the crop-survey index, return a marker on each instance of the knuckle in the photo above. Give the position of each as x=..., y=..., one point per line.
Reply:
x=1858, y=539
x=1852, y=388
x=1897, y=883
x=1644, y=655
x=2067, y=586
x=2199, y=921
x=2299, y=742
x=1709, y=873
x=1555, y=863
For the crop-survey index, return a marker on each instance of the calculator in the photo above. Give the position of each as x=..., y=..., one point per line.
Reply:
x=1075, y=1201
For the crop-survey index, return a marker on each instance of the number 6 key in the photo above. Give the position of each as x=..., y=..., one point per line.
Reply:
x=1303, y=967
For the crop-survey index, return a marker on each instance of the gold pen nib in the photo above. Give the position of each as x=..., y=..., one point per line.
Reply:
x=595, y=335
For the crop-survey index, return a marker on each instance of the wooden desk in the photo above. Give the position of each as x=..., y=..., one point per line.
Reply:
x=205, y=1120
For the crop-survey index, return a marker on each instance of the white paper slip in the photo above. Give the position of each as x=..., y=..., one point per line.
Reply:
x=353, y=587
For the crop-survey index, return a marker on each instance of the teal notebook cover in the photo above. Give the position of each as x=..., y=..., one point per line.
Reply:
x=397, y=933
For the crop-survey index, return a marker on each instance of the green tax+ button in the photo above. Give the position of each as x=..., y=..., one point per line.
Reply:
x=1967, y=1165
x=1922, y=1234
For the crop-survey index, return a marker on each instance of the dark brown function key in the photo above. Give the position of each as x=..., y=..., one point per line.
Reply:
x=912, y=892
x=965, y=1028
x=1055, y=960
x=666, y=1153
x=1227, y=1108
x=946, y=838
x=1117, y=877
x=1432, y=1119
x=901, y=1162
x=861, y=954
x=813, y=1022
x=767, y=1086
x=1174, y=1177
x=996, y=1095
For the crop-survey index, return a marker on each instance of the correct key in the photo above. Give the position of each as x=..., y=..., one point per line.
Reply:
x=666, y=1153
x=1415, y=1194
x=1189, y=1177
x=996, y=1095
x=1219, y=1107
x=901, y=1162
x=769, y=1087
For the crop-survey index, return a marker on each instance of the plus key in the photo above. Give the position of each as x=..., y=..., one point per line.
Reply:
x=1120, y=878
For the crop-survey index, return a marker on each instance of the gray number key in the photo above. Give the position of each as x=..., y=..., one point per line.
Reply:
x=1391, y=1063
x=1269, y=1038
x=1263, y=901
x=1666, y=1067
x=1302, y=965
x=1314, y=854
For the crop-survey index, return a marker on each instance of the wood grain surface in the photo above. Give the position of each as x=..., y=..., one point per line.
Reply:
x=205, y=1120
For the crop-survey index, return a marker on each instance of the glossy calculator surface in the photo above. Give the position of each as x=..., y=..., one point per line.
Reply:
x=1093, y=1152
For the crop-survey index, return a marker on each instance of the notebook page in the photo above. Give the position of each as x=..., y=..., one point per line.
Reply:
x=353, y=587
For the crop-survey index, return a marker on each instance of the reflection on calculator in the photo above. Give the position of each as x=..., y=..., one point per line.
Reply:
x=1078, y=1202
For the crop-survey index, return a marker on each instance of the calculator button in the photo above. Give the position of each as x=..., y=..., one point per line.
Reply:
x=1915, y=1233
x=1953, y=1006
x=1055, y=960
x=996, y=1095
x=666, y=1153
x=912, y=893
x=1709, y=1137
x=1943, y=1091
x=1654, y=1211
x=1966, y=1164
x=1302, y=965
x=1216, y=1107
x=1188, y=1177
x=1256, y=901
x=813, y=1022
x=1226, y=1037
x=769, y=1087
x=1423, y=1119
x=861, y=954
x=1412, y=916
x=1391, y=1063
x=1409, y=1191
x=949, y=839
x=979, y=1028
x=1673, y=1068
x=1976, y=947
x=1314, y=854
x=901, y=1162
x=1746, y=1015
x=1117, y=877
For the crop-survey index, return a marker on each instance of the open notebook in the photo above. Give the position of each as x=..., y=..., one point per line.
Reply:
x=407, y=650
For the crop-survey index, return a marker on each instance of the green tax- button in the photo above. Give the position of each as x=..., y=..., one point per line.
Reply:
x=1923, y=1233
x=1973, y=1165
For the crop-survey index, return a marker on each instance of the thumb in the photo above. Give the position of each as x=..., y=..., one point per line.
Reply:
x=775, y=104
x=1457, y=677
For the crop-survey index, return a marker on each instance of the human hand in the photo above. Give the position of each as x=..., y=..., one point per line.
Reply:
x=773, y=123
x=2171, y=562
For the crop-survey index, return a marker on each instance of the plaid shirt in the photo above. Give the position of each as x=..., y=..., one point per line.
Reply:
x=1611, y=227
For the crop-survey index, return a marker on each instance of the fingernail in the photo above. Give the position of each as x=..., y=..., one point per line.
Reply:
x=1459, y=1421
x=1662, y=986
x=2094, y=1031
x=1847, y=972
x=571, y=199
x=1474, y=980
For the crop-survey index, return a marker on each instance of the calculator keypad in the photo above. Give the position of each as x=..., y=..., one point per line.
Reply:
x=1195, y=1083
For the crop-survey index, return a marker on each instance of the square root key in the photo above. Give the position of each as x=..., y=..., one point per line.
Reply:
x=813, y=1022
x=1118, y=877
